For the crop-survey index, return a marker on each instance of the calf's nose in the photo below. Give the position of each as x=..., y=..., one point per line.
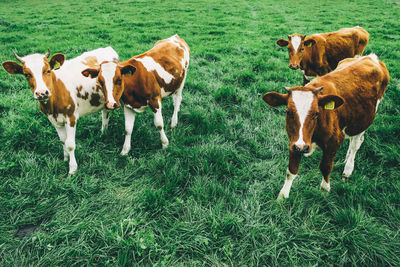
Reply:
x=301, y=148
x=110, y=105
x=41, y=94
x=293, y=66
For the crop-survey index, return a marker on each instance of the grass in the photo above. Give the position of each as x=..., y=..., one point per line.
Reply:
x=209, y=199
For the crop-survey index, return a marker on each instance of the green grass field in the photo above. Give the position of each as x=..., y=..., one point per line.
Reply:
x=210, y=198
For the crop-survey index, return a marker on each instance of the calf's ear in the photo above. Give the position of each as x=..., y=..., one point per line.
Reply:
x=282, y=42
x=275, y=99
x=309, y=42
x=12, y=67
x=330, y=102
x=128, y=70
x=56, y=61
x=93, y=73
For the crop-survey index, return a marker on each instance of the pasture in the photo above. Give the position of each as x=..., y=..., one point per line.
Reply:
x=210, y=197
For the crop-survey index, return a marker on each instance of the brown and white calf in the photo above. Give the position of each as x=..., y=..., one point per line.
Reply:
x=143, y=81
x=63, y=93
x=341, y=104
x=320, y=53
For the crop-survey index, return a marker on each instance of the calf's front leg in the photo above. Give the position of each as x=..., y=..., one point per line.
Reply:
x=105, y=117
x=326, y=166
x=70, y=128
x=291, y=173
x=129, y=116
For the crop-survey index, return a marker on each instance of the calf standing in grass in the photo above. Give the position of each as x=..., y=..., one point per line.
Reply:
x=143, y=81
x=319, y=54
x=63, y=93
x=340, y=104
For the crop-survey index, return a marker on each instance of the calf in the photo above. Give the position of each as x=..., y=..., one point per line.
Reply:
x=143, y=81
x=319, y=54
x=340, y=104
x=63, y=93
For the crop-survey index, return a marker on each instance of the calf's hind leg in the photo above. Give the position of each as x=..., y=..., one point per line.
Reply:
x=159, y=123
x=354, y=145
x=70, y=146
x=177, y=97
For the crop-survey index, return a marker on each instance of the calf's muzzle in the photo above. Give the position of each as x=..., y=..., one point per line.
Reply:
x=301, y=149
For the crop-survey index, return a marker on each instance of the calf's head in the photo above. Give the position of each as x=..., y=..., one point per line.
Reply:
x=110, y=75
x=296, y=44
x=38, y=71
x=303, y=108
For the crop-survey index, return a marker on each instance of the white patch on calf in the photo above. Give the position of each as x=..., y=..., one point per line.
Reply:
x=151, y=65
x=35, y=63
x=374, y=57
x=185, y=59
x=108, y=72
x=296, y=41
x=302, y=102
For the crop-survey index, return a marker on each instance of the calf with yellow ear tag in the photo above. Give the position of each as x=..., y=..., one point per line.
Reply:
x=64, y=95
x=329, y=109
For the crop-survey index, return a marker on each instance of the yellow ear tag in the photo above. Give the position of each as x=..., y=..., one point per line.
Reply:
x=129, y=73
x=57, y=65
x=309, y=44
x=330, y=105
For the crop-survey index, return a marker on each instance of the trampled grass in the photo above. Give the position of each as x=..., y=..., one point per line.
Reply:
x=209, y=199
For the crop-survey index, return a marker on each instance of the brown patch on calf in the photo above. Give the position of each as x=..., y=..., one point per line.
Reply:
x=90, y=61
x=60, y=101
x=79, y=93
x=144, y=88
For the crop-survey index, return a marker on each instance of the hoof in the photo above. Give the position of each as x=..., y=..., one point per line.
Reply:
x=72, y=171
x=164, y=146
x=325, y=186
x=124, y=152
x=281, y=197
x=345, y=179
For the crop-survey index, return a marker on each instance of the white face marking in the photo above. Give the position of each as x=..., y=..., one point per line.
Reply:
x=151, y=65
x=296, y=41
x=302, y=102
x=35, y=63
x=108, y=72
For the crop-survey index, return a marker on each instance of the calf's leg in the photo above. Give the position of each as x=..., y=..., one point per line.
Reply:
x=70, y=146
x=177, y=97
x=326, y=166
x=354, y=145
x=159, y=123
x=291, y=173
x=105, y=117
x=129, y=116
x=62, y=134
